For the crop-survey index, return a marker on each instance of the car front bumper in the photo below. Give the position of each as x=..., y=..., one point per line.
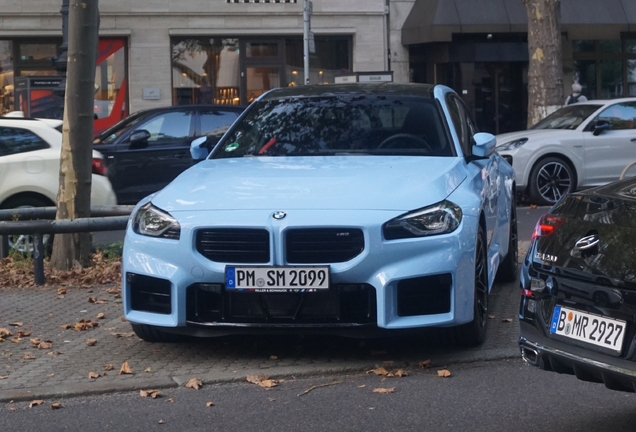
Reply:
x=189, y=294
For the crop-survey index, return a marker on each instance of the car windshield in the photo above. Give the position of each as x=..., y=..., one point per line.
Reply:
x=110, y=135
x=338, y=124
x=569, y=117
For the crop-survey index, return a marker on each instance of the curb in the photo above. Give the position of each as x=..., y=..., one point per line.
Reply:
x=96, y=388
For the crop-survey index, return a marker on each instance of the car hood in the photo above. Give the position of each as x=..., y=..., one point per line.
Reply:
x=534, y=135
x=320, y=183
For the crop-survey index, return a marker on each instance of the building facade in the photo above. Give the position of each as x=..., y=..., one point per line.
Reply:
x=169, y=52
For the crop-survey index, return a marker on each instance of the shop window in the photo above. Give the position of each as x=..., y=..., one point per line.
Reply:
x=205, y=71
x=631, y=77
x=583, y=46
x=332, y=58
x=6, y=76
x=41, y=52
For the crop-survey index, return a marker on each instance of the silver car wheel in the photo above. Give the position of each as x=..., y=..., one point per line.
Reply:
x=553, y=180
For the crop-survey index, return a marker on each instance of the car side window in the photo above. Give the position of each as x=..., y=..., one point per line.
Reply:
x=16, y=140
x=459, y=116
x=168, y=127
x=620, y=116
x=215, y=123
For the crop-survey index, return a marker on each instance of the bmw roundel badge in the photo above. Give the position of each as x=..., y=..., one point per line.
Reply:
x=279, y=215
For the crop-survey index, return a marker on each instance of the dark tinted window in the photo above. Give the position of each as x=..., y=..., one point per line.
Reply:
x=110, y=135
x=339, y=124
x=15, y=140
x=620, y=116
x=215, y=123
x=168, y=127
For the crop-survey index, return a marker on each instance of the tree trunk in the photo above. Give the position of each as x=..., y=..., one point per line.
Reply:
x=73, y=198
x=545, y=74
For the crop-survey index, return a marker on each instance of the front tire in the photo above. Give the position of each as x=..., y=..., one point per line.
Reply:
x=474, y=332
x=550, y=179
x=154, y=334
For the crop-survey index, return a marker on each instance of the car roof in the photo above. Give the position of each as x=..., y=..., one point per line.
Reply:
x=29, y=122
x=387, y=89
x=234, y=108
x=606, y=101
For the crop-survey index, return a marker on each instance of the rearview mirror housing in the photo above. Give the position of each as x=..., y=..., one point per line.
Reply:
x=484, y=144
x=600, y=126
x=198, y=149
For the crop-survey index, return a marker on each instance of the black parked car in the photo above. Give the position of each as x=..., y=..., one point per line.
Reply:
x=147, y=150
x=578, y=280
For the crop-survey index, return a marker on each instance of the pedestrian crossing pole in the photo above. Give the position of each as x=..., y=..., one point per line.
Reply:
x=307, y=10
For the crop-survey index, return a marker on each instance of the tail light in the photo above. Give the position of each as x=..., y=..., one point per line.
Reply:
x=99, y=167
x=547, y=225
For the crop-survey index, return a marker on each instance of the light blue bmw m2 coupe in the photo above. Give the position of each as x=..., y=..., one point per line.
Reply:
x=331, y=208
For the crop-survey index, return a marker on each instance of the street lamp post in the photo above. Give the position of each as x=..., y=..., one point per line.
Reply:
x=60, y=62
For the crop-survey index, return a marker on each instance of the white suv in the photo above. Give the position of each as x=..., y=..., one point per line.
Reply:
x=30, y=152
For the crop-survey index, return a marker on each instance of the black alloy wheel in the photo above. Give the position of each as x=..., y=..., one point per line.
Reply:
x=550, y=179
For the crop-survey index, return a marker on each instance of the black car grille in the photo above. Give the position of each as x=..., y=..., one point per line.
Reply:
x=341, y=304
x=323, y=245
x=234, y=245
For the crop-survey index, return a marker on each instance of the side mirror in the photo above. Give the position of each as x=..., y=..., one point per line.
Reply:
x=484, y=144
x=139, y=139
x=198, y=148
x=600, y=126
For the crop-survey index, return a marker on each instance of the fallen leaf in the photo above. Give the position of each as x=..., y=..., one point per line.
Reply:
x=148, y=370
x=125, y=369
x=424, y=364
x=273, y=357
x=271, y=399
x=194, y=383
x=16, y=324
x=93, y=375
x=5, y=333
x=170, y=400
x=384, y=390
x=16, y=339
x=122, y=335
x=61, y=291
x=149, y=393
x=209, y=404
x=35, y=342
x=36, y=403
x=507, y=320
x=54, y=353
x=400, y=373
x=113, y=291
x=66, y=326
x=122, y=319
x=28, y=356
x=443, y=373
x=362, y=386
x=91, y=342
x=378, y=371
x=533, y=206
x=108, y=367
x=12, y=409
x=491, y=317
x=56, y=405
x=45, y=345
x=101, y=315
x=4, y=377
x=23, y=333
x=262, y=380
x=161, y=422
x=92, y=300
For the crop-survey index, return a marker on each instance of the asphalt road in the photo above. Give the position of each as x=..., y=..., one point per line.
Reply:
x=504, y=395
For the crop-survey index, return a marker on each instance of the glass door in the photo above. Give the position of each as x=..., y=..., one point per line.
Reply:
x=263, y=67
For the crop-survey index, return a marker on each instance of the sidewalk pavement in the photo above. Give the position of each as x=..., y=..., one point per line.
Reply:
x=37, y=370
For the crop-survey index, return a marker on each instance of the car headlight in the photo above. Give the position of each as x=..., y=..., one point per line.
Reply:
x=512, y=144
x=153, y=222
x=440, y=218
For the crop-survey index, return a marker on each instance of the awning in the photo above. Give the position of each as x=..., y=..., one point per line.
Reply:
x=438, y=20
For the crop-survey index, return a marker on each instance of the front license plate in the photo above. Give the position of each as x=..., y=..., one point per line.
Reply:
x=277, y=279
x=586, y=327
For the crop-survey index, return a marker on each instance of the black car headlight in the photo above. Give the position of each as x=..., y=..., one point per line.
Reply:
x=153, y=222
x=440, y=218
x=512, y=144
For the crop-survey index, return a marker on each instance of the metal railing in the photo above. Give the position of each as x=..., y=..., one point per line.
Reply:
x=38, y=221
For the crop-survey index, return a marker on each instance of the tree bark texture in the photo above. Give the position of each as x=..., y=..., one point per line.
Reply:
x=73, y=199
x=545, y=73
